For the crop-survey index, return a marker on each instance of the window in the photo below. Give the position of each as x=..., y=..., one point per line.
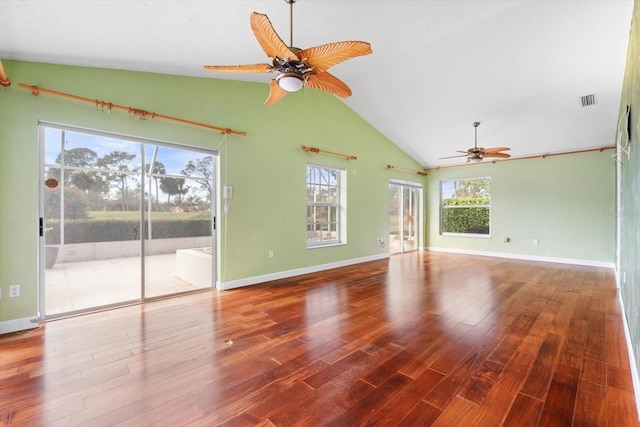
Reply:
x=325, y=205
x=465, y=206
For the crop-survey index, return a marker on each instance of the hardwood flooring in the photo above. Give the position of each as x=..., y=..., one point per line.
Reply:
x=414, y=340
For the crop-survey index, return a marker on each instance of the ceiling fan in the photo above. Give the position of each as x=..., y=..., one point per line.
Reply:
x=297, y=68
x=476, y=154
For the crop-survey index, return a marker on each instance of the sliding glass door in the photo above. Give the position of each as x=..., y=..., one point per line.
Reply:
x=122, y=219
x=404, y=216
x=178, y=220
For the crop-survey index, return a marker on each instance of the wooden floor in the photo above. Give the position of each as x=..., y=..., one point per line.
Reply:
x=416, y=340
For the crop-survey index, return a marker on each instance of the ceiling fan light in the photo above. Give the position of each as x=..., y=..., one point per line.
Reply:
x=475, y=159
x=291, y=82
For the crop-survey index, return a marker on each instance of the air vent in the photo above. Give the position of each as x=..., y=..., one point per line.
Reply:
x=588, y=100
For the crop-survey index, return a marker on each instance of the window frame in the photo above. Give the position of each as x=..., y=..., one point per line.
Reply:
x=337, y=206
x=443, y=207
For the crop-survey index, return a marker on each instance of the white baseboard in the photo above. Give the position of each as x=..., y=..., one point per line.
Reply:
x=15, y=325
x=247, y=281
x=632, y=358
x=231, y=284
x=526, y=257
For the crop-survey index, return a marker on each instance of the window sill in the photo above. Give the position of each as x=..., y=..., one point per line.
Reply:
x=477, y=236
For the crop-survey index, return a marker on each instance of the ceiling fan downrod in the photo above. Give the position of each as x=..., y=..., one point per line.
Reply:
x=291, y=2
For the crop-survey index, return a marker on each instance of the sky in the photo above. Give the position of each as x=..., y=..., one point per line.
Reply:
x=174, y=159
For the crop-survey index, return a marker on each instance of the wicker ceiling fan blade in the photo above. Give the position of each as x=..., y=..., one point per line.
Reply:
x=328, y=83
x=276, y=93
x=325, y=56
x=501, y=155
x=453, y=157
x=495, y=149
x=292, y=67
x=249, y=68
x=269, y=40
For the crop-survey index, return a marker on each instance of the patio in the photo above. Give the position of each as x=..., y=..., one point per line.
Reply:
x=82, y=285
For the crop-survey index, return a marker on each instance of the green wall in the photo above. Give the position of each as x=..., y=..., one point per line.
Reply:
x=566, y=202
x=266, y=168
x=629, y=215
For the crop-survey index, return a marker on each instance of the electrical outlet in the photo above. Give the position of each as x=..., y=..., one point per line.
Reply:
x=536, y=241
x=14, y=291
x=270, y=254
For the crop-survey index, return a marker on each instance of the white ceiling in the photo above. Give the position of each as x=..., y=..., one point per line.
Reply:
x=518, y=66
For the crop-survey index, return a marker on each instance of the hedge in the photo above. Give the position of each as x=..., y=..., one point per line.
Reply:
x=113, y=230
x=465, y=220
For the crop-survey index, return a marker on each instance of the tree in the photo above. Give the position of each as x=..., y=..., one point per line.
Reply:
x=471, y=188
x=75, y=203
x=202, y=170
x=182, y=189
x=81, y=157
x=118, y=161
x=158, y=169
x=172, y=187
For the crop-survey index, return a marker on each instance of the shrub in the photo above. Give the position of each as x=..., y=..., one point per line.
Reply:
x=465, y=220
x=114, y=230
x=75, y=203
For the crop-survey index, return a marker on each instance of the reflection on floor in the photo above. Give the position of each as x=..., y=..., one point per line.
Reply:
x=83, y=285
x=396, y=245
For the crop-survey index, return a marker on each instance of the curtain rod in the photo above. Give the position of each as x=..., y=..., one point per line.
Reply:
x=330, y=153
x=4, y=80
x=407, y=170
x=537, y=156
x=136, y=112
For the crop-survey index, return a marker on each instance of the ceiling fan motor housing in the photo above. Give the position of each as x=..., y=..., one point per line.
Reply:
x=290, y=81
x=292, y=75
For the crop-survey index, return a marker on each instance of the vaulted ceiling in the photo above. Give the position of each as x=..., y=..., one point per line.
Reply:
x=520, y=67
